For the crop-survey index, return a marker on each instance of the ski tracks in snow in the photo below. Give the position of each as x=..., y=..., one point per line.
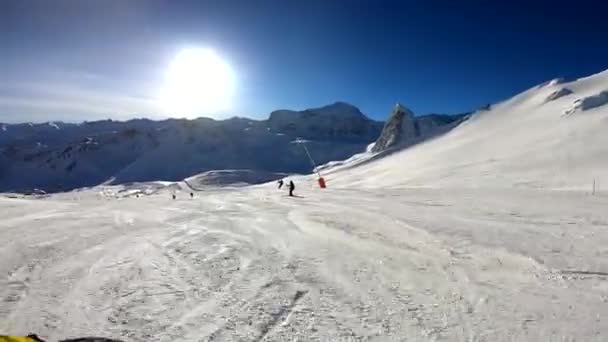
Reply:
x=253, y=265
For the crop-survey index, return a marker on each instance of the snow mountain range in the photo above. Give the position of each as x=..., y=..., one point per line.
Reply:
x=58, y=156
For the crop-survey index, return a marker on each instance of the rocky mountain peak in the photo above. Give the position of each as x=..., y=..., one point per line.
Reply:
x=399, y=127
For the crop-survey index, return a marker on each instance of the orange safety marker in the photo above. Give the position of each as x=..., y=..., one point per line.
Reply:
x=322, y=184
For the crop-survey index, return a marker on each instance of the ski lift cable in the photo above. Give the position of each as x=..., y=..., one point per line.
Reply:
x=314, y=165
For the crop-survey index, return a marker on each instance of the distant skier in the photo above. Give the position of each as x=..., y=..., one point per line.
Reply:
x=280, y=183
x=173, y=196
x=292, y=187
x=192, y=195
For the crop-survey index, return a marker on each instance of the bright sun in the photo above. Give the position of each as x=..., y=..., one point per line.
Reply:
x=198, y=82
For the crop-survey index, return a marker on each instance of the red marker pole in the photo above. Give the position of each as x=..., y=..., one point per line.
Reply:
x=321, y=180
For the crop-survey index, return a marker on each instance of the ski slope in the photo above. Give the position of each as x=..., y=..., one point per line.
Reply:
x=253, y=264
x=552, y=136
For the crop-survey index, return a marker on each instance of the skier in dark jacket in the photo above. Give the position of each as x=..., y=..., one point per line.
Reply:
x=292, y=187
x=280, y=183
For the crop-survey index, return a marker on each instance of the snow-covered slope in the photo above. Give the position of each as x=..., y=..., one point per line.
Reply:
x=550, y=136
x=252, y=264
x=230, y=177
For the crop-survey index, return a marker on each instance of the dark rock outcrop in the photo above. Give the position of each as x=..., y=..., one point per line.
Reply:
x=403, y=129
x=559, y=93
x=589, y=102
x=399, y=127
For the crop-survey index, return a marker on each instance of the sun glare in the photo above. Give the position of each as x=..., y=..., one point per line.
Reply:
x=198, y=82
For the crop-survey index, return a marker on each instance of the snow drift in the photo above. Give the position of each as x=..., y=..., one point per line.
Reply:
x=589, y=102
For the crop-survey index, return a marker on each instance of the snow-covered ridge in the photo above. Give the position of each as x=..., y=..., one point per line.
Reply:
x=535, y=139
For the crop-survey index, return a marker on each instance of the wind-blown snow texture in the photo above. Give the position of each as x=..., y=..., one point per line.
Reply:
x=480, y=234
x=335, y=265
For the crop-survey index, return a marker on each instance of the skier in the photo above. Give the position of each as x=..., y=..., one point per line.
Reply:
x=280, y=183
x=173, y=196
x=192, y=195
x=292, y=187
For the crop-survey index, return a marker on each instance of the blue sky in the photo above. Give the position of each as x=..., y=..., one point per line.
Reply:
x=86, y=60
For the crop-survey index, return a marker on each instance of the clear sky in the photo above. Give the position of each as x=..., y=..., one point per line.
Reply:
x=84, y=60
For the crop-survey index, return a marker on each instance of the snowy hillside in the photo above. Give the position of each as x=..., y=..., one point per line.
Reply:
x=550, y=136
x=231, y=177
x=59, y=156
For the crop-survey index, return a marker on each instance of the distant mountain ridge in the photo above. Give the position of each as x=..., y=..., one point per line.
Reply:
x=60, y=156
x=339, y=121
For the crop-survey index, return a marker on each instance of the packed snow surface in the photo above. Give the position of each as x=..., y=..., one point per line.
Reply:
x=335, y=265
